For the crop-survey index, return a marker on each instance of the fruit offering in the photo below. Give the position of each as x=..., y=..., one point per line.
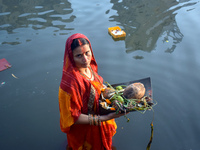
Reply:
x=126, y=98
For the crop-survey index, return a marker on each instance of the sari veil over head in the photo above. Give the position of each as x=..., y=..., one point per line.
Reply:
x=72, y=83
x=69, y=64
x=74, y=94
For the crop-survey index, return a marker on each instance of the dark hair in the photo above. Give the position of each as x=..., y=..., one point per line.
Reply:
x=78, y=42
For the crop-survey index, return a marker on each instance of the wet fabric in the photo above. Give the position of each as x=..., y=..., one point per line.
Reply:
x=74, y=94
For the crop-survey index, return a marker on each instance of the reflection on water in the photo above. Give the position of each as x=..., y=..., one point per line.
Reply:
x=145, y=21
x=32, y=38
x=35, y=15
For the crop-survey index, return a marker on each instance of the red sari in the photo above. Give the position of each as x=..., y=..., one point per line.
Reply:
x=74, y=94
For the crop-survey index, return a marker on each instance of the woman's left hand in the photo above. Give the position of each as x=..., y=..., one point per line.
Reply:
x=112, y=116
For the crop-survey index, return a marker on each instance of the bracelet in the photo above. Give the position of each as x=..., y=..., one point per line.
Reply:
x=94, y=120
x=99, y=120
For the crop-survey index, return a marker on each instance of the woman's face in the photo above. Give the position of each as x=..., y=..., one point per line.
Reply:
x=82, y=56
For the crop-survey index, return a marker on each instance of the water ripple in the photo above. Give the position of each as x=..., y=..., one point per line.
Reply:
x=45, y=12
x=151, y=20
x=5, y=13
x=24, y=15
x=35, y=15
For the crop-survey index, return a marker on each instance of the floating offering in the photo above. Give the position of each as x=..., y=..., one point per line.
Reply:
x=4, y=64
x=127, y=97
x=116, y=32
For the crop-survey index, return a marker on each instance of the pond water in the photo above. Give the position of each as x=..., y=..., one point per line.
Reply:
x=162, y=42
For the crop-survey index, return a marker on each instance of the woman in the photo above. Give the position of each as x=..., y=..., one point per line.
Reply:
x=79, y=94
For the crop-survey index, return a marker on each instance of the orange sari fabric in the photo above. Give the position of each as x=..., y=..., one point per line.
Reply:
x=74, y=93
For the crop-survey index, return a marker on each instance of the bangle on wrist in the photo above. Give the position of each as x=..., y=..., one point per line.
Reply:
x=99, y=120
x=94, y=119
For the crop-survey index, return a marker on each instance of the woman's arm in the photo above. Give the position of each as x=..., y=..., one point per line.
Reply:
x=84, y=119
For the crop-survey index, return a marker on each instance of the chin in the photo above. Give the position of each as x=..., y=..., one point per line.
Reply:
x=86, y=66
x=82, y=67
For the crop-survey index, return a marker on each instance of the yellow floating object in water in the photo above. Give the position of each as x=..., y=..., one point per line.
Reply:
x=116, y=32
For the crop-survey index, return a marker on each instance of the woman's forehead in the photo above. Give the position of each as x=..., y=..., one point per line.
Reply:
x=82, y=49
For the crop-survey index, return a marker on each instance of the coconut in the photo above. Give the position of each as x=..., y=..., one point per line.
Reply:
x=134, y=91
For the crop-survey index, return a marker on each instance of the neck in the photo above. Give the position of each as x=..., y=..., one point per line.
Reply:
x=84, y=70
x=87, y=72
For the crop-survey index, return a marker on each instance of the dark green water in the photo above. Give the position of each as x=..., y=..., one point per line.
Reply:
x=162, y=42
